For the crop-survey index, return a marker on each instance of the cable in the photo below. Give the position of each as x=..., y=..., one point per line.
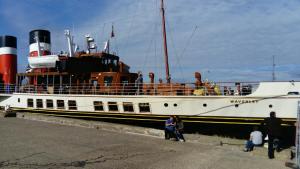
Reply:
x=188, y=42
x=131, y=21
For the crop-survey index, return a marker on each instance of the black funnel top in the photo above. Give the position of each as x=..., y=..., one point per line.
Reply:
x=43, y=35
x=8, y=41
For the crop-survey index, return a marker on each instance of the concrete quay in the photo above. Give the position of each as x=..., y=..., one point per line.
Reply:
x=29, y=142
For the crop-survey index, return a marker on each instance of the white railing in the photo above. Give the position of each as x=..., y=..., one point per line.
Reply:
x=222, y=88
x=132, y=89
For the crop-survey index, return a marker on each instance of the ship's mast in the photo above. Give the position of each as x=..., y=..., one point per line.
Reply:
x=168, y=78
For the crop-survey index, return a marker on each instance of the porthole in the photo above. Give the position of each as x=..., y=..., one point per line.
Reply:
x=270, y=106
x=204, y=105
x=175, y=105
x=236, y=105
x=166, y=105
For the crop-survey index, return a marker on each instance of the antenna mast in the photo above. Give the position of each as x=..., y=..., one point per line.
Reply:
x=273, y=72
x=168, y=78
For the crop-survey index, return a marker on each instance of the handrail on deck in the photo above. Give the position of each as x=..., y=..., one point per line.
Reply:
x=185, y=89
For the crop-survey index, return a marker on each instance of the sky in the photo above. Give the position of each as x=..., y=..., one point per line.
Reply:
x=224, y=40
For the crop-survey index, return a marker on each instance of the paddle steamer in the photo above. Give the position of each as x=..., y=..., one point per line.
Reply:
x=96, y=85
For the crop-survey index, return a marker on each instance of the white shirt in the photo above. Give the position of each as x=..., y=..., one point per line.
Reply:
x=256, y=137
x=6, y=107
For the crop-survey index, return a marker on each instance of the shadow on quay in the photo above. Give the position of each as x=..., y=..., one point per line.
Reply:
x=223, y=130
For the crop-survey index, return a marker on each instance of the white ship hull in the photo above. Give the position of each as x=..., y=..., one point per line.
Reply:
x=249, y=109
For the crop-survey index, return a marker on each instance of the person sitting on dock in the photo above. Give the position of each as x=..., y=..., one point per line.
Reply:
x=254, y=140
x=7, y=108
x=179, y=128
x=170, y=129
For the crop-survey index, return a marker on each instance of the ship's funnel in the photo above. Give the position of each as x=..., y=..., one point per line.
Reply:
x=39, y=43
x=40, y=57
x=8, y=59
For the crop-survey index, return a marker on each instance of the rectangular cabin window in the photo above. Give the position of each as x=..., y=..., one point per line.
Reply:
x=29, y=102
x=108, y=80
x=39, y=103
x=49, y=104
x=72, y=105
x=60, y=104
x=113, y=106
x=128, y=107
x=144, y=107
x=98, y=106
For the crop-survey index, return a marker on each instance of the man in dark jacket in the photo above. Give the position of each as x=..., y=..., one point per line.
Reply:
x=273, y=127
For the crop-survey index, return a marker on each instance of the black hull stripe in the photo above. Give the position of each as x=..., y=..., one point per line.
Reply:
x=150, y=117
x=147, y=114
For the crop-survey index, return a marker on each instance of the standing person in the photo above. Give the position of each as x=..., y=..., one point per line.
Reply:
x=170, y=128
x=254, y=140
x=139, y=83
x=273, y=126
x=179, y=129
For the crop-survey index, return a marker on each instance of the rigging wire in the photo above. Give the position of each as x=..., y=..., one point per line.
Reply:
x=155, y=43
x=133, y=17
x=175, y=51
x=223, y=107
x=188, y=42
x=156, y=61
x=103, y=30
x=161, y=62
x=148, y=51
x=152, y=41
x=117, y=46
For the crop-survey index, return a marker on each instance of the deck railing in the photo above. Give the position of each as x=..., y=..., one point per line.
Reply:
x=186, y=89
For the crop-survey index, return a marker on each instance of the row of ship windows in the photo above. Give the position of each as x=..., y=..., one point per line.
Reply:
x=98, y=105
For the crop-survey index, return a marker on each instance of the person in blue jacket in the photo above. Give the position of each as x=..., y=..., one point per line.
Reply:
x=170, y=129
